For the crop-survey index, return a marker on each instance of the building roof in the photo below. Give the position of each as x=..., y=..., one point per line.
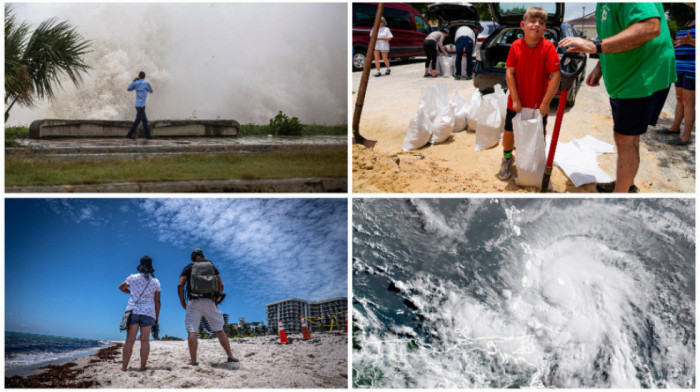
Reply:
x=287, y=300
x=305, y=301
x=588, y=20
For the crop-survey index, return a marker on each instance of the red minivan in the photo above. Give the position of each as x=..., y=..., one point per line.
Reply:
x=407, y=25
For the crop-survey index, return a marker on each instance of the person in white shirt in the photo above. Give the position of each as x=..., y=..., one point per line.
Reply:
x=382, y=46
x=144, y=302
x=464, y=40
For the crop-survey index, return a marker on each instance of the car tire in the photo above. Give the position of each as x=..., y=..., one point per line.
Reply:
x=358, y=57
x=571, y=95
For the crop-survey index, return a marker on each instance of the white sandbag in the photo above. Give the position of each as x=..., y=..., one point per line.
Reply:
x=529, y=142
x=443, y=123
x=502, y=103
x=418, y=133
x=488, y=123
x=448, y=65
x=473, y=110
x=459, y=106
x=427, y=102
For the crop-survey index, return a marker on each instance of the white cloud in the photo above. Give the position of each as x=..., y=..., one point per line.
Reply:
x=279, y=247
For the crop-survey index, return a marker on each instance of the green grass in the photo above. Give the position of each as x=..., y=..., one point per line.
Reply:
x=27, y=170
x=309, y=129
x=14, y=133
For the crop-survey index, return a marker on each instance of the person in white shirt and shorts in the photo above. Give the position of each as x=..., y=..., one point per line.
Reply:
x=382, y=46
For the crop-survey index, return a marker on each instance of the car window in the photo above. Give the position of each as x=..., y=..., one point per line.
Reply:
x=510, y=35
x=363, y=14
x=398, y=19
x=422, y=25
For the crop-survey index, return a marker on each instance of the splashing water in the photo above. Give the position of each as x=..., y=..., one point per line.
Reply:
x=501, y=293
x=232, y=61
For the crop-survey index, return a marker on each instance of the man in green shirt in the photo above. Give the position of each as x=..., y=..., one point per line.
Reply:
x=638, y=63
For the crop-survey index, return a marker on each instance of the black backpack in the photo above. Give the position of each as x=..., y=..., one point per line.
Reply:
x=203, y=281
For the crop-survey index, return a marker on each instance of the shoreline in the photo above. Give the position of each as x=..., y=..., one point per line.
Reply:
x=320, y=362
x=62, y=374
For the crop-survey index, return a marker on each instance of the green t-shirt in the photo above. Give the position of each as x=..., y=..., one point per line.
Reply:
x=642, y=71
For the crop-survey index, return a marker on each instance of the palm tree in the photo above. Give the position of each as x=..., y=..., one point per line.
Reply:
x=35, y=65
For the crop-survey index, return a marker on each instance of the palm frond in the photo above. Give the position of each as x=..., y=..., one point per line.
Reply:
x=55, y=49
x=19, y=85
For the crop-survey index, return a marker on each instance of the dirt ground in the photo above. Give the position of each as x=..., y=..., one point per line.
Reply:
x=454, y=166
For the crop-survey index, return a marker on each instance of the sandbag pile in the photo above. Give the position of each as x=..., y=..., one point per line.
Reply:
x=434, y=120
x=437, y=116
x=490, y=119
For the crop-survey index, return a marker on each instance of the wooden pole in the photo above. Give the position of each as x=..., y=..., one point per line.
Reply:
x=357, y=138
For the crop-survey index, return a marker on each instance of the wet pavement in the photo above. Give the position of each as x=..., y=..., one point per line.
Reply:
x=124, y=148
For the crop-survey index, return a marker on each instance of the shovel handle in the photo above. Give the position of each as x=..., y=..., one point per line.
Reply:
x=555, y=140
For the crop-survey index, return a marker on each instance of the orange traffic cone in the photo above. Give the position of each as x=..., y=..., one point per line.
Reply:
x=304, y=329
x=283, y=336
x=346, y=321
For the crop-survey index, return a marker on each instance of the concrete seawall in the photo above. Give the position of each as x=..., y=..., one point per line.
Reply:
x=41, y=129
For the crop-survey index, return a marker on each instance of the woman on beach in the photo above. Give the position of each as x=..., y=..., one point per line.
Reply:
x=144, y=303
x=431, y=44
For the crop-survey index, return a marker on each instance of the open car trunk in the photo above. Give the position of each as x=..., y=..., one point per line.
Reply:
x=495, y=50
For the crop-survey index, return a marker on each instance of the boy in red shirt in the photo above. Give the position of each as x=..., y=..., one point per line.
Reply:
x=531, y=62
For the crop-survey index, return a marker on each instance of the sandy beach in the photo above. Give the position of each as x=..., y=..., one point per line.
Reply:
x=320, y=362
x=455, y=167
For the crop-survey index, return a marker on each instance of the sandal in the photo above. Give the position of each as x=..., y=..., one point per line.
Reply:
x=668, y=131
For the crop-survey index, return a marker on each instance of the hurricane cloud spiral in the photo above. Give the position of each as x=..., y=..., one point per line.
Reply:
x=524, y=293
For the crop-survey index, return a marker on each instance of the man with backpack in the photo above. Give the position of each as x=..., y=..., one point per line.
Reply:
x=204, y=289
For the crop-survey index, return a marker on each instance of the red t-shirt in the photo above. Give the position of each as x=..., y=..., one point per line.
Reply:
x=532, y=69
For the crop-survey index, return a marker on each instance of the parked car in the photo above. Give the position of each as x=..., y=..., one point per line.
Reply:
x=487, y=27
x=492, y=55
x=407, y=25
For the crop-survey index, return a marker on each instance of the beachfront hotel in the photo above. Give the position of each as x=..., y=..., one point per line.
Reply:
x=321, y=314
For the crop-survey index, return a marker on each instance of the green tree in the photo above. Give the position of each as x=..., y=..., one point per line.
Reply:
x=36, y=63
x=679, y=14
x=281, y=124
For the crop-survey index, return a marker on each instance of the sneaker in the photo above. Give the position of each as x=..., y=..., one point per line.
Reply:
x=678, y=142
x=506, y=164
x=469, y=77
x=378, y=74
x=609, y=187
x=388, y=72
x=457, y=77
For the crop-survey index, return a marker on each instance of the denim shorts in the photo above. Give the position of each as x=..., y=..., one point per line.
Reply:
x=632, y=116
x=142, y=320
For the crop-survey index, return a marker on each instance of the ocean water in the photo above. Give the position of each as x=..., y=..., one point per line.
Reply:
x=25, y=351
x=478, y=293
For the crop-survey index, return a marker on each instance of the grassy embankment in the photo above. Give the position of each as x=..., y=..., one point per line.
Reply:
x=20, y=171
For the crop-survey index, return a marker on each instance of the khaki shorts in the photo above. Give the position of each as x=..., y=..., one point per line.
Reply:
x=203, y=307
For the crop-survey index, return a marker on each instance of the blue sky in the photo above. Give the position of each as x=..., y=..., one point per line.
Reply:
x=65, y=258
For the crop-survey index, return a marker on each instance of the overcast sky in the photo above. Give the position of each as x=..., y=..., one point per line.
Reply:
x=219, y=60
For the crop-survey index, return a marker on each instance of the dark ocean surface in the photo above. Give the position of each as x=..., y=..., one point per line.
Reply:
x=478, y=293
